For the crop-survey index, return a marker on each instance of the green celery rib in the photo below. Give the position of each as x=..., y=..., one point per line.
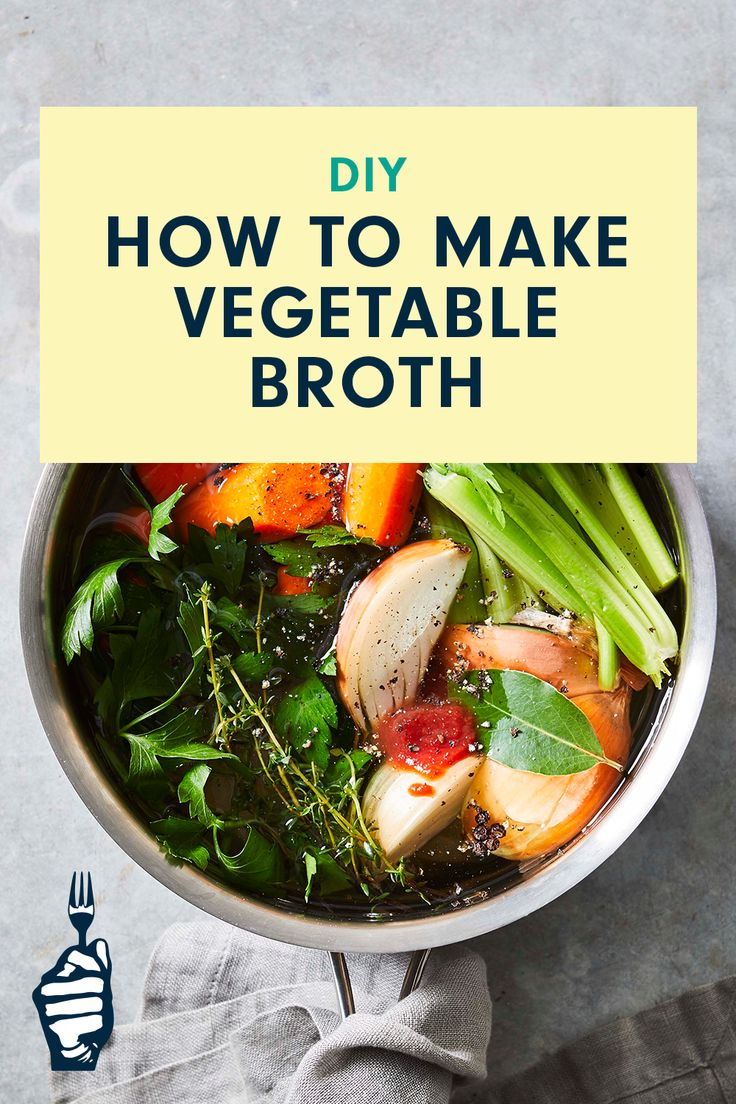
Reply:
x=602, y=503
x=469, y=606
x=607, y=657
x=651, y=555
x=600, y=589
x=535, y=477
x=503, y=592
x=508, y=540
x=565, y=482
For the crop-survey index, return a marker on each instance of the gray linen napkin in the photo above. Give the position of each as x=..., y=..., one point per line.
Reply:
x=228, y=1017
x=682, y=1052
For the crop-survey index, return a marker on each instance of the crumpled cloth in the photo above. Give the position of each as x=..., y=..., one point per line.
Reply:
x=681, y=1052
x=229, y=1017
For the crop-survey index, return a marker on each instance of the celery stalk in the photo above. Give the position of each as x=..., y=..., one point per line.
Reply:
x=607, y=657
x=651, y=551
x=502, y=587
x=600, y=589
x=469, y=606
x=507, y=539
x=562, y=477
x=602, y=503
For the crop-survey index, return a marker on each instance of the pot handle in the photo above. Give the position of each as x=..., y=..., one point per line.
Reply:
x=344, y=988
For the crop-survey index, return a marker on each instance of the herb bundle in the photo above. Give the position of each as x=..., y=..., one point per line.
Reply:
x=217, y=702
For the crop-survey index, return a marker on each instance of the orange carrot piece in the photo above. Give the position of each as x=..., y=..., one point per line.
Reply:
x=291, y=584
x=279, y=499
x=161, y=480
x=380, y=501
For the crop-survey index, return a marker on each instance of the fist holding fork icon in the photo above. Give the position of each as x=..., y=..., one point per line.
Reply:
x=74, y=998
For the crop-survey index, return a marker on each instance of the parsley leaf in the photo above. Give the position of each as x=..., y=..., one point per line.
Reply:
x=180, y=738
x=310, y=867
x=258, y=865
x=140, y=662
x=253, y=666
x=327, y=536
x=191, y=790
x=305, y=716
x=98, y=601
x=340, y=771
x=301, y=603
x=226, y=553
x=331, y=878
x=296, y=556
x=192, y=625
x=181, y=840
x=237, y=622
x=328, y=666
x=158, y=542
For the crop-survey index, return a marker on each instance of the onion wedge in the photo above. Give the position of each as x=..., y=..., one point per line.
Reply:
x=405, y=809
x=390, y=625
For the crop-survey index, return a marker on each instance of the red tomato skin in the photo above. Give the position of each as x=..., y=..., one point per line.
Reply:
x=427, y=737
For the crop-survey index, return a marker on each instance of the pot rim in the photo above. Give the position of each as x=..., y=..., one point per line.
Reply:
x=650, y=774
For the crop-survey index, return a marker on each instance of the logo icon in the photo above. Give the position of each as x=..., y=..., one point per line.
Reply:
x=74, y=998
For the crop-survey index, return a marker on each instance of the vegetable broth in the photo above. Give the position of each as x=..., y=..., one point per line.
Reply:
x=299, y=630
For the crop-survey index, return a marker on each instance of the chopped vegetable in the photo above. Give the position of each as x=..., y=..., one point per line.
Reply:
x=648, y=550
x=380, y=501
x=519, y=815
x=406, y=810
x=555, y=659
x=161, y=480
x=390, y=626
x=470, y=602
x=290, y=584
x=465, y=497
x=564, y=480
x=568, y=573
x=279, y=499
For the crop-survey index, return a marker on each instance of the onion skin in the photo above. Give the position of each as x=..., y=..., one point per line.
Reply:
x=539, y=812
x=517, y=648
x=390, y=626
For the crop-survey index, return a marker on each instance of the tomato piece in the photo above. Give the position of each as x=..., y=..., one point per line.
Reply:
x=428, y=738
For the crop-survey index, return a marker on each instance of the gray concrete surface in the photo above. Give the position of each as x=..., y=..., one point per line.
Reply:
x=659, y=916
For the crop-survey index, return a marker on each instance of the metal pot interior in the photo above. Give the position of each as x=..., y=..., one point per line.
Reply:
x=69, y=496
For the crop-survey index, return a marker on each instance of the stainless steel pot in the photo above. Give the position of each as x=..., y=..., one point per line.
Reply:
x=50, y=542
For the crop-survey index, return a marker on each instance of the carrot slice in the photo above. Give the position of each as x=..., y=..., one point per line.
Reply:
x=381, y=500
x=161, y=480
x=279, y=499
x=290, y=584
